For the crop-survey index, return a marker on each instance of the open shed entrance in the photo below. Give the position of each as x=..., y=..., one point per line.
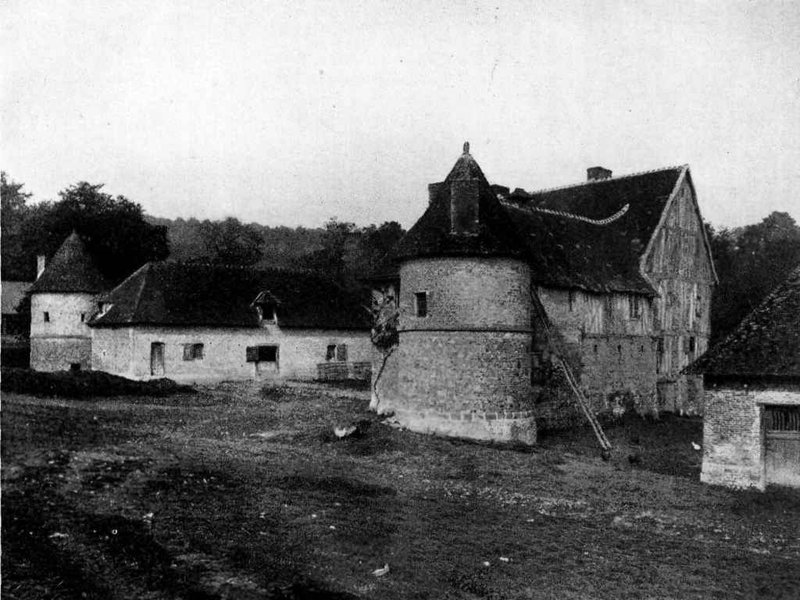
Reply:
x=782, y=445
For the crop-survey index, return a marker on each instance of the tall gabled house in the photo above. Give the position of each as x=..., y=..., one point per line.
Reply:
x=613, y=274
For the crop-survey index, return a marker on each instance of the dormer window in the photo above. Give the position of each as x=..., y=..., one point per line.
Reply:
x=267, y=307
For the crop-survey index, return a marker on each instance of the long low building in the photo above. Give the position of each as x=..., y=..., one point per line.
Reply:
x=202, y=322
x=196, y=322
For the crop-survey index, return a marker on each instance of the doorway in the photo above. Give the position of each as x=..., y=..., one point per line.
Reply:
x=782, y=445
x=157, y=359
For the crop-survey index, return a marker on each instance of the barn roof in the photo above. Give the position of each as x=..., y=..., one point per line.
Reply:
x=71, y=269
x=171, y=293
x=588, y=236
x=765, y=345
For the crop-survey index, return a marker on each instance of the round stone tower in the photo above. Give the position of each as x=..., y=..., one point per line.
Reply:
x=63, y=300
x=463, y=364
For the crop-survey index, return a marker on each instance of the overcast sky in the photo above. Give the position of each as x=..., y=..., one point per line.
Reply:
x=292, y=112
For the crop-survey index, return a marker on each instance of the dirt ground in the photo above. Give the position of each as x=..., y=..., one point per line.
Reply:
x=230, y=493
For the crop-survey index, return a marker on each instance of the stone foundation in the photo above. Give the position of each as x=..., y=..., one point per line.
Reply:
x=60, y=354
x=517, y=427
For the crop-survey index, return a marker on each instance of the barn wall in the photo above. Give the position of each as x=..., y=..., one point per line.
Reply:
x=611, y=352
x=680, y=269
x=126, y=351
x=733, y=439
x=66, y=339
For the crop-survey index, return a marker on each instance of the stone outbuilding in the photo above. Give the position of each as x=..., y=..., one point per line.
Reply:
x=751, y=429
x=199, y=322
x=489, y=286
x=63, y=300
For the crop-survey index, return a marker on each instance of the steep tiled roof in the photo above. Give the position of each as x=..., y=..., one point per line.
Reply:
x=589, y=236
x=187, y=294
x=431, y=236
x=71, y=269
x=765, y=345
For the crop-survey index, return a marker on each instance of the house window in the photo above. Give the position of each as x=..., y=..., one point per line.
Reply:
x=193, y=352
x=421, y=304
x=46, y=317
x=336, y=352
x=635, y=307
x=267, y=354
x=692, y=345
x=83, y=317
x=267, y=312
x=571, y=300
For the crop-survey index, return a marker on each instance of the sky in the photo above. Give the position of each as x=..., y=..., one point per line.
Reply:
x=289, y=113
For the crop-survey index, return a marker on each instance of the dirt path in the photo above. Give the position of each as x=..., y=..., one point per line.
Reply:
x=227, y=494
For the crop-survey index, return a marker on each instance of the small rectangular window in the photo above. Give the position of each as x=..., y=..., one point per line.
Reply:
x=635, y=307
x=46, y=317
x=262, y=354
x=421, y=304
x=571, y=300
x=330, y=352
x=193, y=352
x=341, y=352
x=83, y=317
x=692, y=345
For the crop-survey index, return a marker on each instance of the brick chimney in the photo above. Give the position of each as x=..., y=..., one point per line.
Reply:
x=597, y=173
x=41, y=262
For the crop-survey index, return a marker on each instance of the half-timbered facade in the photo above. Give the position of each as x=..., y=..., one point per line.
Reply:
x=617, y=276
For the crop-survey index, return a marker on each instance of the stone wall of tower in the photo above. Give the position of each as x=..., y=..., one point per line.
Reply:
x=60, y=336
x=463, y=369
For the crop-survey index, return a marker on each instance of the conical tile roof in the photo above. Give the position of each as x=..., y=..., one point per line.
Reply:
x=71, y=270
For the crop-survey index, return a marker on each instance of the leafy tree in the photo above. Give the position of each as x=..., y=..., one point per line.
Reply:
x=231, y=242
x=14, y=212
x=330, y=259
x=114, y=228
x=750, y=261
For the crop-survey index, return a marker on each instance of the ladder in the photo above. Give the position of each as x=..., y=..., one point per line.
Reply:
x=562, y=363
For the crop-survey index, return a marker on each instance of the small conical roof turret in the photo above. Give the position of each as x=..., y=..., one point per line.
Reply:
x=72, y=269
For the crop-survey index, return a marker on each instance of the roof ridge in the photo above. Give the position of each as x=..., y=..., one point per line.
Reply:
x=595, y=181
x=561, y=213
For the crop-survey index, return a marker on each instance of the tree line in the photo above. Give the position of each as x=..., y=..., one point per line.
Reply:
x=122, y=237
x=749, y=260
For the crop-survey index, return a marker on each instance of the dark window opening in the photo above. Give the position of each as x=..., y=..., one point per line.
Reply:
x=692, y=344
x=341, y=352
x=83, y=317
x=660, y=345
x=46, y=317
x=641, y=349
x=330, y=353
x=619, y=348
x=421, y=304
x=262, y=354
x=595, y=348
x=74, y=366
x=571, y=300
x=635, y=307
x=268, y=312
x=193, y=352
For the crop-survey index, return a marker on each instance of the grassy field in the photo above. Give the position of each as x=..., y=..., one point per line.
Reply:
x=231, y=493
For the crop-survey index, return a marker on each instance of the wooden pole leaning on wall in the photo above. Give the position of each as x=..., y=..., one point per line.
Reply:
x=580, y=399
